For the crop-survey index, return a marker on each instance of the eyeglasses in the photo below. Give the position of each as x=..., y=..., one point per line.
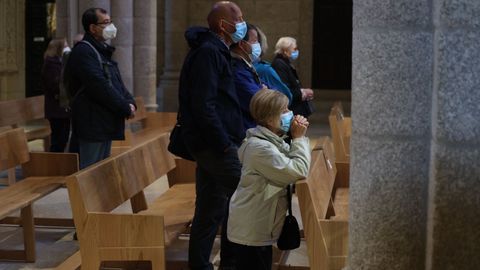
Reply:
x=104, y=23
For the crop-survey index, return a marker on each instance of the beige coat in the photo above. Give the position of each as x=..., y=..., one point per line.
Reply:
x=259, y=205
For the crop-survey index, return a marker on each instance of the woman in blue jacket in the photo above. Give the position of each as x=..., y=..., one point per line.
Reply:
x=267, y=74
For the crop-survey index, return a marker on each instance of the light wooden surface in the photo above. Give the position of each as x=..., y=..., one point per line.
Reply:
x=322, y=202
x=42, y=178
x=341, y=129
x=97, y=190
x=184, y=172
x=15, y=113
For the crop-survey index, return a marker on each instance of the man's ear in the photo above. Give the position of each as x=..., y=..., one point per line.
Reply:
x=91, y=28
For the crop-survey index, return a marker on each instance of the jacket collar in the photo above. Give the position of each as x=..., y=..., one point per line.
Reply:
x=102, y=47
x=264, y=133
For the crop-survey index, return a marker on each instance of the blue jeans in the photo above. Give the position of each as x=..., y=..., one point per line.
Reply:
x=92, y=152
x=217, y=177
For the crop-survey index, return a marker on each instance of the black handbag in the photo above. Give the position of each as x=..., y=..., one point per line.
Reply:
x=290, y=236
x=176, y=145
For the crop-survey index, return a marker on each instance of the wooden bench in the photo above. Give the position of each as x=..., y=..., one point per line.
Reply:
x=323, y=201
x=138, y=236
x=43, y=174
x=30, y=111
x=144, y=126
x=341, y=129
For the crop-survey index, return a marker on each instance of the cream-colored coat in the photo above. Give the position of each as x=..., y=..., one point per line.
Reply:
x=259, y=205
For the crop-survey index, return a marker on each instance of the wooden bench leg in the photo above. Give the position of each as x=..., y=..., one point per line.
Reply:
x=28, y=233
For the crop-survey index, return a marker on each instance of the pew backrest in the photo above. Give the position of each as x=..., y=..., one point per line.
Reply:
x=19, y=111
x=341, y=129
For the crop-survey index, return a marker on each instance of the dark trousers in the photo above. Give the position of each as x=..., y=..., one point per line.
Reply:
x=253, y=258
x=60, y=131
x=217, y=177
x=92, y=152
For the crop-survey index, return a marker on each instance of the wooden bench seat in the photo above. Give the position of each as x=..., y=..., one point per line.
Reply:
x=341, y=129
x=44, y=174
x=138, y=236
x=28, y=113
x=323, y=201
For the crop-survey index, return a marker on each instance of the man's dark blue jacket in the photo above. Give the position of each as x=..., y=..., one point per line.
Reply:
x=209, y=109
x=100, y=109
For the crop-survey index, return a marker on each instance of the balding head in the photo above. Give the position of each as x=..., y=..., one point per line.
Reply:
x=223, y=17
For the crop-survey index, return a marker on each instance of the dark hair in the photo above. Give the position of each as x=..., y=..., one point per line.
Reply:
x=90, y=17
x=249, y=27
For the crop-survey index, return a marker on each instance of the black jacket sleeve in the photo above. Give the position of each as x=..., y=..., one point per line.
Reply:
x=204, y=75
x=285, y=73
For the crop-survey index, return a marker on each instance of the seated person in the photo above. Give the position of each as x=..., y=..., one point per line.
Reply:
x=259, y=204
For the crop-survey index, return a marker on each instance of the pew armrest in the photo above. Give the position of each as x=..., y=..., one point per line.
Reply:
x=50, y=164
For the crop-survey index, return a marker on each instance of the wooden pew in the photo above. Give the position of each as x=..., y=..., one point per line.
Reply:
x=341, y=129
x=139, y=236
x=44, y=174
x=323, y=201
x=144, y=126
x=17, y=113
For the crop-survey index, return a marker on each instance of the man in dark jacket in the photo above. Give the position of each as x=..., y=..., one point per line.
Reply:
x=212, y=128
x=101, y=103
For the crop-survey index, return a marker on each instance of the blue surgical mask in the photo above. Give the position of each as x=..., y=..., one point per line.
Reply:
x=256, y=51
x=286, y=121
x=294, y=55
x=240, y=32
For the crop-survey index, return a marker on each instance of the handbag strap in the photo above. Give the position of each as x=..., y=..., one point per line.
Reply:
x=289, y=199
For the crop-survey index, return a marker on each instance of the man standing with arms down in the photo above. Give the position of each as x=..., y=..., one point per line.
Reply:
x=100, y=100
x=212, y=128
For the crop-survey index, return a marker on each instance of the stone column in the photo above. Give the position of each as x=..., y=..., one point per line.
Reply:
x=122, y=16
x=176, y=22
x=391, y=115
x=62, y=19
x=454, y=201
x=145, y=51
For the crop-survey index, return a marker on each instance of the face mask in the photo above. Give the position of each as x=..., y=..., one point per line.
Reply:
x=256, y=51
x=240, y=32
x=109, y=32
x=67, y=50
x=294, y=55
x=286, y=121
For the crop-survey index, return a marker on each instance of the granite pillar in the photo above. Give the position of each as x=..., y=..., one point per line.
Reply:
x=415, y=166
x=122, y=16
x=145, y=51
x=392, y=84
x=176, y=22
x=454, y=201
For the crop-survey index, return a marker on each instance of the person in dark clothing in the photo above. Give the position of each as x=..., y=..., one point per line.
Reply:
x=101, y=103
x=285, y=51
x=57, y=116
x=212, y=128
x=247, y=81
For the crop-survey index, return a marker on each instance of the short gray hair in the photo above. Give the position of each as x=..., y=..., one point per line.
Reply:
x=285, y=43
